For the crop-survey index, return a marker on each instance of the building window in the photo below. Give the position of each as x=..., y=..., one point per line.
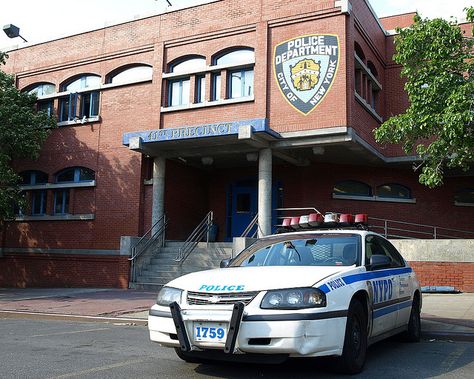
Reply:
x=366, y=84
x=37, y=198
x=179, y=88
x=41, y=89
x=352, y=188
x=240, y=83
x=178, y=92
x=239, y=80
x=69, y=175
x=216, y=87
x=464, y=198
x=200, y=95
x=393, y=191
x=61, y=202
x=130, y=74
x=80, y=105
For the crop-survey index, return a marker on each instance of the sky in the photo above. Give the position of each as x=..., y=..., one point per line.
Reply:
x=44, y=20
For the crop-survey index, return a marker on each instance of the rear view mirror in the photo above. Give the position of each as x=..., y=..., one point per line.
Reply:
x=225, y=263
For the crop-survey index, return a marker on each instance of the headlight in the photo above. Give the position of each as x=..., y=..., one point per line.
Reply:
x=295, y=298
x=167, y=295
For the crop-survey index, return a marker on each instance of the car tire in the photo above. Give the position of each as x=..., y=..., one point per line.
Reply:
x=413, y=333
x=354, y=351
x=188, y=357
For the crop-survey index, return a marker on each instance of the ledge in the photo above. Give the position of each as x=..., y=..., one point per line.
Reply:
x=367, y=107
x=374, y=198
x=76, y=217
x=80, y=121
x=460, y=204
x=52, y=186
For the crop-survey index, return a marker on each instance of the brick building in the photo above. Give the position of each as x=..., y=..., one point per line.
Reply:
x=204, y=109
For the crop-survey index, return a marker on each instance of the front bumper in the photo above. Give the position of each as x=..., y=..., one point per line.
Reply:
x=297, y=334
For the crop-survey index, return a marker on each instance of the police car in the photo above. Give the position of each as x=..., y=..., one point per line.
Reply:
x=318, y=289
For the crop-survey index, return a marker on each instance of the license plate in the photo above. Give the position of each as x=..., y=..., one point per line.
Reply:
x=210, y=331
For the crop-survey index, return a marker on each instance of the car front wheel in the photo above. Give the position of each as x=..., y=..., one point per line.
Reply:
x=355, y=342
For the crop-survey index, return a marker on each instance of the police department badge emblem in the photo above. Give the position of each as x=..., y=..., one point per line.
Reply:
x=305, y=68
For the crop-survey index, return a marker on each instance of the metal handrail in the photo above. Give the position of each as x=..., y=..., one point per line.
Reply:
x=249, y=227
x=197, y=234
x=435, y=232
x=152, y=235
x=389, y=230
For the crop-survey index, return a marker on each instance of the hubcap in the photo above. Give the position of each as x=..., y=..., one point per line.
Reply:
x=356, y=334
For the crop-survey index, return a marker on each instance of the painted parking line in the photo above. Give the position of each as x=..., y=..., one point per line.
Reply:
x=71, y=332
x=97, y=369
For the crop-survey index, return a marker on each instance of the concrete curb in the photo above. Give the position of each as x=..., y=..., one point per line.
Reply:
x=76, y=318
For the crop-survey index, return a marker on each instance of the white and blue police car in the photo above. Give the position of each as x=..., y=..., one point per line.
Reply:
x=330, y=291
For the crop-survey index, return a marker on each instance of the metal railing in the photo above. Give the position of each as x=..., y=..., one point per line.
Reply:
x=250, y=226
x=152, y=239
x=195, y=237
x=398, y=229
x=410, y=230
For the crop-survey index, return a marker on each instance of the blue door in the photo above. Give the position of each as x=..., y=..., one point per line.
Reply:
x=243, y=208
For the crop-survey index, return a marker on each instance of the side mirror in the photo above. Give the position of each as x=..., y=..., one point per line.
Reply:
x=379, y=261
x=225, y=263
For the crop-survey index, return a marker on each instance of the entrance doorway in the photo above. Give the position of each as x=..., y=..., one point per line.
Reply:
x=242, y=206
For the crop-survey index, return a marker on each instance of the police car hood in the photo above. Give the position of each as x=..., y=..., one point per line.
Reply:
x=235, y=279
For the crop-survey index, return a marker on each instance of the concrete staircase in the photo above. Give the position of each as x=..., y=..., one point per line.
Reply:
x=163, y=268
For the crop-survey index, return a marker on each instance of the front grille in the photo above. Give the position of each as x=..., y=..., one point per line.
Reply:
x=204, y=298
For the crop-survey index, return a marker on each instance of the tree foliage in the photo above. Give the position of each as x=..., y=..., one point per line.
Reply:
x=22, y=132
x=438, y=64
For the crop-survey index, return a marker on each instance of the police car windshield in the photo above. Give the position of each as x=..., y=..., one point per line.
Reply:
x=320, y=250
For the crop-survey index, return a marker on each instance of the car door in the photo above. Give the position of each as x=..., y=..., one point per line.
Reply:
x=405, y=284
x=383, y=288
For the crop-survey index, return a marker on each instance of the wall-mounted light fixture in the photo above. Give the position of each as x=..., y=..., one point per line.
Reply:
x=12, y=31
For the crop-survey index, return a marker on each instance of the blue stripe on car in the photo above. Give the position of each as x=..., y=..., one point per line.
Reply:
x=349, y=279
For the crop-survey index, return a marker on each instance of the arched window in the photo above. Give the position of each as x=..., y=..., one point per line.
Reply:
x=37, y=197
x=130, y=74
x=75, y=175
x=42, y=89
x=179, y=88
x=465, y=197
x=359, y=52
x=81, y=82
x=33, y=177
x=83, y=105
x=239, y=80
x=393, y=191
x=69, y=175
x=352, y=188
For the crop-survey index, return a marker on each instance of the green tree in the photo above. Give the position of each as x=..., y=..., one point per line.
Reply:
x=22, y=132
x=438, y=64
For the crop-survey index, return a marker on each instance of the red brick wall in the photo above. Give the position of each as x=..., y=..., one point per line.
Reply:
x=460, y=275
x=56, y=270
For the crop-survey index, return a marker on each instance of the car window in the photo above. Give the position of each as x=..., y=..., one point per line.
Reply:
x=322, y=250
x=375, y=245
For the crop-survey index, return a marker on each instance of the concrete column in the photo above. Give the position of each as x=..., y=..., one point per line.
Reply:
x=158, y=207
x=264, y=192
